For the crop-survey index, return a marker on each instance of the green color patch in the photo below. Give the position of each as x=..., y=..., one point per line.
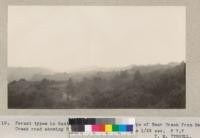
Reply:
x=115, y=128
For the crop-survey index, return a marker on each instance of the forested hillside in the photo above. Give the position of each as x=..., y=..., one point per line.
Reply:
x=161, y=86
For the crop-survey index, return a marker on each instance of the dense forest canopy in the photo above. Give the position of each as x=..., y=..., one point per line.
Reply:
x=153, y=86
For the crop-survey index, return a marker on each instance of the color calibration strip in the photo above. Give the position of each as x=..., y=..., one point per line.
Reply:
x=107, y=125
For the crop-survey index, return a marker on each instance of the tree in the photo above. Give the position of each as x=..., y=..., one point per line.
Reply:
x=138, y=80
x=123, y=75
x=70, y=89
x=138, y=76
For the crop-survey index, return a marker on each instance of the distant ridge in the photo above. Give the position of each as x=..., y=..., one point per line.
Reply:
x=16, y=73
x=37, y=73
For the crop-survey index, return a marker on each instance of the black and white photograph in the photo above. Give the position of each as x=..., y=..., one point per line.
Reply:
x=96, y=57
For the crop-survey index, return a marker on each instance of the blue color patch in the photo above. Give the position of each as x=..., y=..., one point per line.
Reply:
x=122, y=128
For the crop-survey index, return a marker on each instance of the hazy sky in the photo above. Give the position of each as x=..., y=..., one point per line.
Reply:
x=68, y=38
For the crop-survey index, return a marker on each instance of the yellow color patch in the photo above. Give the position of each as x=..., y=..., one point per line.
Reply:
x=108, y=128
